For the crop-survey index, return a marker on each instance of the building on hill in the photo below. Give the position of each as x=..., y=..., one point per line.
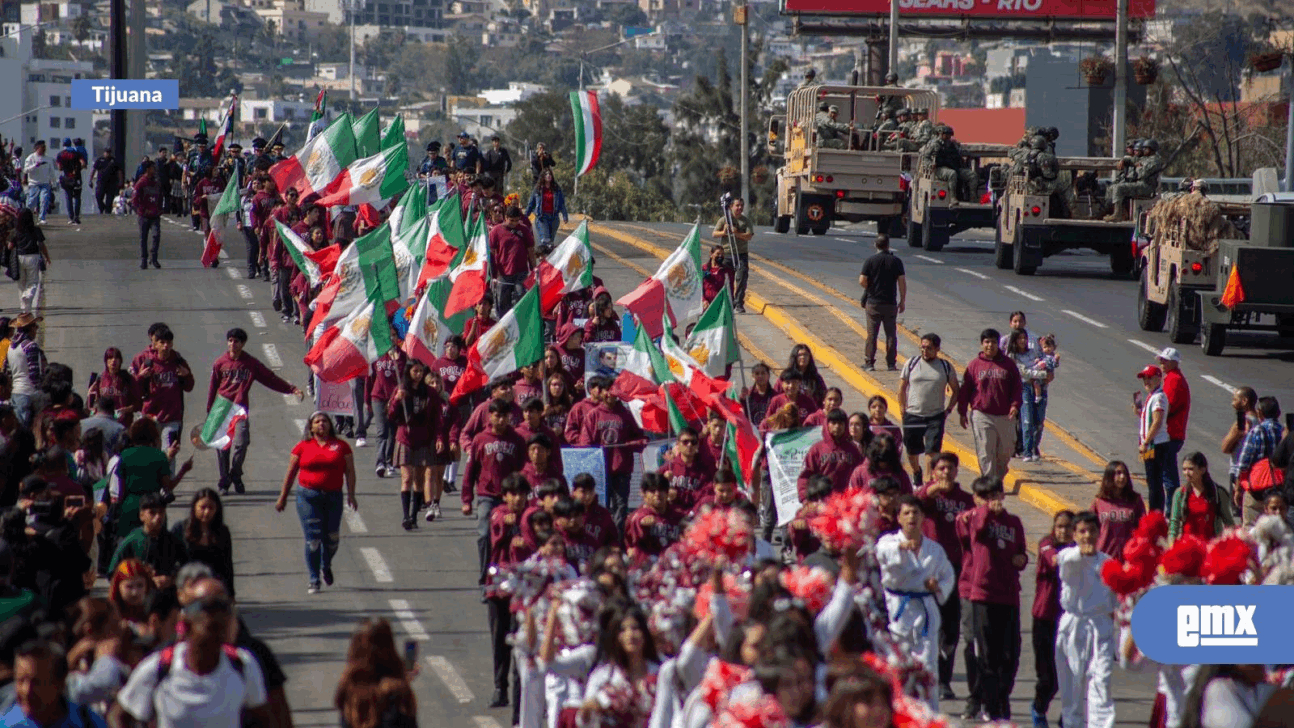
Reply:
x=396, y=14
x=290, y=18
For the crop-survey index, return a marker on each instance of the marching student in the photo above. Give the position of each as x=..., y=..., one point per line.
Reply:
x=656, y=524
x=494, y=455
x=1046, y=614
x=1085, y=637
x=505, y=542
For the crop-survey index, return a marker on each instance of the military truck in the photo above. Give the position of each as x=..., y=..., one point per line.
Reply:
x=935, y=214
x=1243, y=286
x=1031, y=227
x=817, y=185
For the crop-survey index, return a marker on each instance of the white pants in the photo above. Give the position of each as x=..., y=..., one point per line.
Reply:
x=1085, y=654
x=31, y=285
x=532, y=691
x=908, y=628
x=1173, y=684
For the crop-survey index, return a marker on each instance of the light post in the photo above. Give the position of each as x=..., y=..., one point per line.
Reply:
x=741, y=15
x=1119, y=120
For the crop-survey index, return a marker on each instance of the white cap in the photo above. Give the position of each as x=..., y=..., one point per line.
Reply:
x=1169, y=354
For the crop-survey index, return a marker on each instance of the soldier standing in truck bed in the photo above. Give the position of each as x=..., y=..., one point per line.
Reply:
x=810, y=79
x=922, y=131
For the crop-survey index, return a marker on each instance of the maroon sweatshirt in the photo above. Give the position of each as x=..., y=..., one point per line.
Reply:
x=941, y=510
x=479, y=422
x=992, y=540
x=142, y=358
x=756, y=404
x=649, y=532
x=599, y=329
x=580, y=547
x=1118, y=521
x=536, y=478
x=163, y=389
x=524, y=430
x=803, y=402
x=991, y=386
x=600, y=526
x=450, y=370
x=863, y=476
x=835, y=459
x=510, y=250
x=232, y=378
x=1046, y=595
x=525, y=389
x=494, y=457
x=692, y=481
x=505, y=538
x=575, y=422
x=800, y=536
x=613, y=428
x=384, y=377
x=418, y=419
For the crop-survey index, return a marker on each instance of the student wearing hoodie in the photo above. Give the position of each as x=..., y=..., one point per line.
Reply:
x=603, y=323
x=792, y=391
x=687, y=472
x=835, y=456
x=989, y=403
x=580, y=410
x=570, y=346
x=612, y=427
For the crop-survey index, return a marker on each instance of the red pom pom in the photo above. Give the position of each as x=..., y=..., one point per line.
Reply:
x=1152, y=526
x=720, y=678
x=765, y=712
x=738, y=597
x=1184, y=558
x=1226, y=560
x=811, y=585
x=1126, y=578
x=1141, y=550
x=718, y=533
x=845, y=520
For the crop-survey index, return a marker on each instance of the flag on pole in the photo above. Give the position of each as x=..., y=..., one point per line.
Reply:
x=429, y=328
x=713, y=342
x=684, y=369
x=469, y=275
x=218, y=429
x=517, y=340
x=741, y=446
x=588, y=130
x=223, y=221
x=376, y=180
x=411, y=208
x=317, y=120
x=320, y=161
x=1234, y=293
x=346, y=349
x=567, y=269
x=393, y=133
x=309, y=261
x=366, y=270
x=675, y=288
x=368, y=134
x=225, y=135
x=202, y=126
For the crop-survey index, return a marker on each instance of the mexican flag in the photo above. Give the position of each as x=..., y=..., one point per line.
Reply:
x=742, y=441
x=445, y=239
x=646, y=361
x=588, y=130
x=516, y=341
x=317, y=122
x=469, y=275
x=375, y=180
x=411, y=208
x=686, y=370
x=429, y=328
x=226, y=128
x=713, y=342
x=325, y=156
x=218, y=431
x=675, y=288
x=366, y=270
x=405, y=270
x=223, y=222
x=347, y=348
x=676, y=419
x=393, y=134
x=567, y=269
x=368, y=134
x=309, y=261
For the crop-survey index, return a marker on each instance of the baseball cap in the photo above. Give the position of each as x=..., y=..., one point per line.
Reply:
x=1149, y=371
x=1169, y=354
x=463, y=135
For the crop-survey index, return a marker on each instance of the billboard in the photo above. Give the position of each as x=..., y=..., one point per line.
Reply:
x=973, y=9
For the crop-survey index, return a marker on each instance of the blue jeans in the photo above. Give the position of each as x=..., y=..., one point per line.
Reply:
x=618, y=498
x=73, y=198
x=39, y=198
x=385, y=432
x=1157, y=468
x=1172, y=471
x=1033, y=414
x=320, y=513
x=545, y=228
x=511, y=288
x=22, y=408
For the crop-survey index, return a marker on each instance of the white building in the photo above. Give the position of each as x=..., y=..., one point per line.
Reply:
x=482, y=121
x=516, y=91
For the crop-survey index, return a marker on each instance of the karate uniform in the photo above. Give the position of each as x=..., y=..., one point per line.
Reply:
x=913, y=609
x=1085, y=640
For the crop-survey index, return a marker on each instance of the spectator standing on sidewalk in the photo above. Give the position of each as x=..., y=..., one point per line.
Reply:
x=1259, y=445
x=885, y=296
x=991, y=391
x=742, y=232
x=1152, y=436
x=1245, y=403
x=1178, y=393
x=922, y=385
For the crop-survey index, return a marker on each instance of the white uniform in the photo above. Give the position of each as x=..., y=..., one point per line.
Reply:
x=913, y=609
x=1085, y=639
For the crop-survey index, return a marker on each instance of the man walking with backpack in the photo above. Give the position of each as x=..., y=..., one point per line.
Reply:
x=70, y=164
x=922, y=385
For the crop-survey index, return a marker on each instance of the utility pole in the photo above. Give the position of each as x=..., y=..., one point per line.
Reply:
x=1119, y=120
x=741, y=15
x=351, y=4
x=894, y=37
x=1288, y=73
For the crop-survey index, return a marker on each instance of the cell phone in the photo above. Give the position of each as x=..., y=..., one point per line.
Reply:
x=1289, y=421
x=170, y=436
x=1240, y=420
x=74, y=501
x=410, y=655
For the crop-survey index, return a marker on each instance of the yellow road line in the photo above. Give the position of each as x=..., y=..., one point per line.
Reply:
x=1036, y=495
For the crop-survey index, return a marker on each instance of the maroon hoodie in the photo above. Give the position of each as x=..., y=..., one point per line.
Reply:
x=233, y=378
x=613, y=428
x=942, y=509
x=1118, y=521
x=600, y=525
x=756, y=404
x=599, y=329
x=163, y=389
x=494, y=457
x=384, y=377
x=692, y=481
x=536, y=478
x=573, y=361
x=990, y=541
x=833, y=458
x=525, y=389
x=505, y=537
x=575, y=305
x=450, y=370
x=575, y=422
x=648, y=532
x=1046, y=595
x=479, y=422
x=800, y=536
x=418, y=418
x=991, y=386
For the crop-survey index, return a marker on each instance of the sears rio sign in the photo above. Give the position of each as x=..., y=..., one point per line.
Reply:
x=1011, y=9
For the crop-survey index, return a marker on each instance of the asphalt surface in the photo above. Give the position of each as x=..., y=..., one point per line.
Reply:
x=424, y=582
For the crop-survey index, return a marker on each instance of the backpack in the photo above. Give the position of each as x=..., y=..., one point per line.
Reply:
x=167, y=656
x=1262, y=476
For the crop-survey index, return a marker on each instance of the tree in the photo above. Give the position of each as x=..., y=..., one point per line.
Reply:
x=459, y=64
x=81, y=28
x=706, y=136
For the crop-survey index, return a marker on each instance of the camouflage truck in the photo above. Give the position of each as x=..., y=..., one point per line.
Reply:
x=934, y=212
x=817, y=185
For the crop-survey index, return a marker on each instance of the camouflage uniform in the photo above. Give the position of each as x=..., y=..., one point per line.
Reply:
x=923, y=130
x=946, y=156
x=1144, y=182
x=832, y=134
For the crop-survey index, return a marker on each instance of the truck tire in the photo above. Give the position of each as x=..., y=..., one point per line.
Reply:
x=1150, y=315
x=936, y=238
x=1180, y=329
x=1122, y=262
x=782, y=224
x=1285, y=326
x=1001, y=252
x=800, y=219
x=1017, y=258
x=914, y=232
x=1214, y=339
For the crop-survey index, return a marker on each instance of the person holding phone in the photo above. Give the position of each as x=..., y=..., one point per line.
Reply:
x=38, y=170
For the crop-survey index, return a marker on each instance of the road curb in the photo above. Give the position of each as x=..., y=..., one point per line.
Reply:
x=1021, y=484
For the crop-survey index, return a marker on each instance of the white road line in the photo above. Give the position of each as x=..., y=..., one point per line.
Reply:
x=451, y=678
x=928, y=259
x=847, y=240
x=354, y=522
x=244, y=291
x=485, y=721
x=970, y=272
x=258, y=320
x=412, y=627
x=233, y=273
x=272, y=356
x=1214, y=380
x=1084, y=319
x=1143, y=345
x=376, y=564
x=1022, y=292
x=301, y=424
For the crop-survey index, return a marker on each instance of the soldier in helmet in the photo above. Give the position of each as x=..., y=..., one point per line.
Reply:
x=922, y=130
x=1051, y=133
x=810, y=79
x=832, y=134
x=887, y=128
x=899, y=142
x=1144, y=181
x=1044, y=176
x=893, y=102
x=1128, y=161
x=946, y=156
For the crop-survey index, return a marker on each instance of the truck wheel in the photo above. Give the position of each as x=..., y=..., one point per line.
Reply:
x=914, y=232
x=1285, y=326
x=801, y=221
x=782, y=224
x=1214, y=339
x=1001, y=251
x=1180, y=330
x=1122, y=261
x=936, y=238
x=1150, y=315
x=1018, y=258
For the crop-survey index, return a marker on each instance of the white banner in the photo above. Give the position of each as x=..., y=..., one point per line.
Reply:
x=786, y=451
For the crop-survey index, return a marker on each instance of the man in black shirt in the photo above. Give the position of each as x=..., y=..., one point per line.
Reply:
x=885, y=295
x=497, y=161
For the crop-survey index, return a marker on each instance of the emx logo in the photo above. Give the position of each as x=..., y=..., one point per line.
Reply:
x=1213, y=625
x=1216, y=626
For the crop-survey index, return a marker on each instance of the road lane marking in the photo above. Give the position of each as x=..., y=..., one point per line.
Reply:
x=301, y=425
x=404, y=614
x=272, y=356
x=1143, y=345
x=451, y=678
x=1024, y=293
x=1084, y=319
x=376, y=564
x=970, y=272
x=847, y=240
x=354, y=522
x=233, y=272
x=244, y=291
x=258, y=320
x=928, y=259
x=485, y=721
x=1214, y=380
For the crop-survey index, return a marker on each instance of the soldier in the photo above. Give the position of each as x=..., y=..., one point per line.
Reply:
x=886, y=129
x=923, y=131
x=900, y=141
x=892, y=102
x=1128, y=162
x=1052, y=134
x=234, y=160
x=832, y=134
x=810, y=79
x=946, y=156
x=1144, y=182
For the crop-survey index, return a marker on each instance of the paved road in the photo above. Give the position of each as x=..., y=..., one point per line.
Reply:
x=424, y=581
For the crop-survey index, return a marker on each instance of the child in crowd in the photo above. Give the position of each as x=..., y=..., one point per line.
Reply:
x=878, y=419
x=1085, y=637
x=1046, y=613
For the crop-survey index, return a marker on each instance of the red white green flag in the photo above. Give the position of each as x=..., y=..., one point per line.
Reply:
x=375, y=180
x=675, y=289
x=317, y=122
x=588, y=130
x=319, y=162
x=347, y=349
x=217, y=431
x=470, y=273
x=226, y=128
x=517, y=340
x=313, y=263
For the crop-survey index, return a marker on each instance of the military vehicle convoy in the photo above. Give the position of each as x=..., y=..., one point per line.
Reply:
x=934, y=212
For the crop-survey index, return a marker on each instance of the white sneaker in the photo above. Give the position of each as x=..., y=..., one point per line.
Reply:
x=361, y=442
x=380, y=471
x=314, y=589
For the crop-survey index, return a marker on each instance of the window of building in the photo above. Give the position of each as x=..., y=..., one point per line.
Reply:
x=69, y=123
x=262, y=113
x=54, y=122
x=56, y=101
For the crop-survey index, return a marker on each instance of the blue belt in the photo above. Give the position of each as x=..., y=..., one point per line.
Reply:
x=907, y=597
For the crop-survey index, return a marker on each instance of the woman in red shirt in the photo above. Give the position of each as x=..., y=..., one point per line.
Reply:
x=715, y=275
x=322, y=463
x=1200, y=507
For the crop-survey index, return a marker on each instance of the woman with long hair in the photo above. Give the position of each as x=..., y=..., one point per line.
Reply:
x=446, y=447
x=882, y=460
x=91, y=458
x=132, y=582
x=551, y=364
x=1120, y=508
x=115, y=382
x=206, y=536
x=374, y=690
x=860, y=430
x=417, y=436
x=1019, y=350
x=1200, y=507
x=558, y=401
x=28, y=244
x=322, y=463
x=547, y=202
x=142, y=468
x=621, y=689
x=812, y=383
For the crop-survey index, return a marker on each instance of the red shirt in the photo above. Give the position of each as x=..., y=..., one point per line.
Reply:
x=942, y=509
x=510, y=250
x=1118, y=521
x=836, y=459
x=163, y=389
x=693, y=481
x=990, y=542
x=1179, y=403
x=649, y=532
x=714, y=279
x=1046, y=595
x=1200, y=514
x=322, y=467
